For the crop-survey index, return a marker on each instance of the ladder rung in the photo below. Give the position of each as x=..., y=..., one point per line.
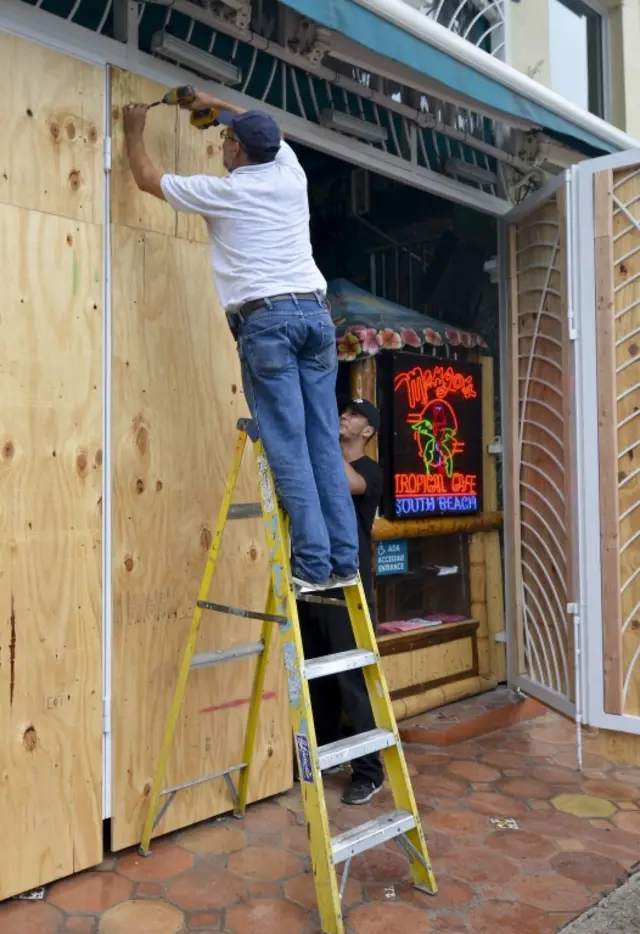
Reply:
x=341, y=661
x=373, y=833
x=245, y=511
x=344, y=750
x=237, y=611
x=206, y=659
x=205, y=778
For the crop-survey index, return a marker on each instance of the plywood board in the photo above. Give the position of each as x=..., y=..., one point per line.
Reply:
x=426, y=667
x=624, y=331
x=129, y=206
x=51, y=145
x=607, y=443
x=542, y=443
x=50, y=547
x=176, y=399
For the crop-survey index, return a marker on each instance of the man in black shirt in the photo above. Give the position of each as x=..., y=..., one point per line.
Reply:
x=326, y=628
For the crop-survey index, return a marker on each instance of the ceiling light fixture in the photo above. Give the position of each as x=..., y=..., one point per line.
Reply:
x=353, y=126
x=175, y=50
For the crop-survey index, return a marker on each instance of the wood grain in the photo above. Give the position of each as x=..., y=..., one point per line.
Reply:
x=388, y=529
x=51, y=145
x=607, y=442
x=176, y=399
x=478, y=594
x=363, y=384
x=489, y=474
x=446, y=656
x=50, y=547
x=495, y=605
x=438, y=697
x=129, y=206
x=626, y=340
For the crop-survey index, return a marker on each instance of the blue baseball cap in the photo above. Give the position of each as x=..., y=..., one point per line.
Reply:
x=257, y=132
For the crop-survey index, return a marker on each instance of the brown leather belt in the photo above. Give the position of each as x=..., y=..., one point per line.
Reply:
x=249, y=307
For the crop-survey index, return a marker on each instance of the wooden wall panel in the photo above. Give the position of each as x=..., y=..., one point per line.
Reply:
x=617, y=205
x=129, y=206
x=421, y=661
x=51, y=156
x=542, y=444
x=50, y=548
x=176, y=399
x=50, y=465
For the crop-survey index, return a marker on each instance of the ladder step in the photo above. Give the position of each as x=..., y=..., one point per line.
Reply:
x=344, y=750
x=341, y=661
x=207, y=659
x=373, y=833
x=245, y=511
x=238, y=611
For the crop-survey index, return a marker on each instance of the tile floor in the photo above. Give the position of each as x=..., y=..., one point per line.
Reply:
x=577, y=837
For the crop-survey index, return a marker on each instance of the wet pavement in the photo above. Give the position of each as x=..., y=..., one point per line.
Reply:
x=519, y=840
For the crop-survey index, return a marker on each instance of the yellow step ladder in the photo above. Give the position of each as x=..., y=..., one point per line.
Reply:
x=401, y=824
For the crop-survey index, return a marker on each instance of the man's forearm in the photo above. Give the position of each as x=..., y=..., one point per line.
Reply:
x=147, y=177
x=219, y=104
x=357, y=483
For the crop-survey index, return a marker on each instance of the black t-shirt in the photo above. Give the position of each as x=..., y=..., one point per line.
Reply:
x=366, y=505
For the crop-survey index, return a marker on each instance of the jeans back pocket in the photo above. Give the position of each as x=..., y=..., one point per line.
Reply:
x=266, y=348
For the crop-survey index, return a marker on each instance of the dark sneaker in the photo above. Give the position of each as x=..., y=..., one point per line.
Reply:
x=360, y=791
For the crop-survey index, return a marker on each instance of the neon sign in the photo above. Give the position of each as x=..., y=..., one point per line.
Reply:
x=437, y=437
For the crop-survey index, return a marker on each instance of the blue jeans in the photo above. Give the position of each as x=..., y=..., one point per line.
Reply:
x=289, y=368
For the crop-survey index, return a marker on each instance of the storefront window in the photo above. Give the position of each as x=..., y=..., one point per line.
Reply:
x=435, y=583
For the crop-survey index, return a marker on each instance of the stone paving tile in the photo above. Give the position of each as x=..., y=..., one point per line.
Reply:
x=575, y=836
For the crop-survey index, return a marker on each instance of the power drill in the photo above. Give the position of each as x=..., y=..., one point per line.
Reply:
x=200, y=119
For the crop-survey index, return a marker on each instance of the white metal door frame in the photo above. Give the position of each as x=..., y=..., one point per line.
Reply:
x=582, y=299
x=585, y=297
x=517, y=678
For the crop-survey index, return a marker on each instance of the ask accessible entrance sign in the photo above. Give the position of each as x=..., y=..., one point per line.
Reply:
x=392, y=557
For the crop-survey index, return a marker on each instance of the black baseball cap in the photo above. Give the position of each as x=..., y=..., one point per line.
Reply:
x=366, y=408
x=257, y=133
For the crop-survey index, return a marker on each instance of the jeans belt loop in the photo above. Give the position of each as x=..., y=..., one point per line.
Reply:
x=294, y=299
x=268, y=303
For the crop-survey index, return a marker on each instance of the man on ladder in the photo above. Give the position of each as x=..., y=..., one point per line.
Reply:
x=289, y=363
x=274, y=296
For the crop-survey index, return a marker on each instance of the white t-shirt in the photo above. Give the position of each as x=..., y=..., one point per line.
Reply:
x=258, y=222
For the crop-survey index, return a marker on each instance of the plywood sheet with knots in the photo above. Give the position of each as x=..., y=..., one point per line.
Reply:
x=51, y=144
x=50, y=548
x=176, y=399
x=129, y=206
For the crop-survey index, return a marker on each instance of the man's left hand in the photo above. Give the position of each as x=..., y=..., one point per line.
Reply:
x=134, y=117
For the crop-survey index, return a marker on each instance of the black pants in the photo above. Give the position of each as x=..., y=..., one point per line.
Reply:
x=326, y=630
